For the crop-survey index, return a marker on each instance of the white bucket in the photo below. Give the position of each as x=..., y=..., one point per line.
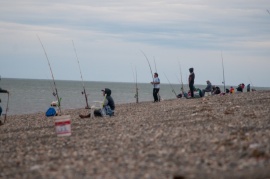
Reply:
x=63, y=125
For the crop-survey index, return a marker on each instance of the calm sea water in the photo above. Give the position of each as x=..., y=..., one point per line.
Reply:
x=31, y=96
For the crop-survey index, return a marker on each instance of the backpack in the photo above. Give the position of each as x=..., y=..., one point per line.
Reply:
x=106, y=110
x=51, y=112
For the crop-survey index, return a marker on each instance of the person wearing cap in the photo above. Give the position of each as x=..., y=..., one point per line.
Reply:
x=156, y=87
x=191, y=79
x=208, y=87
x=108, y=105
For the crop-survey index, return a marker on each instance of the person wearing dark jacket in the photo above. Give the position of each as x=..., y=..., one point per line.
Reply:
x=191, y=79
x=108, y=105
x=109, y=100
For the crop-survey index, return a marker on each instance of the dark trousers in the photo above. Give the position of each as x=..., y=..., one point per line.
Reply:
x=155, y=92
x=191, y=88
x=0, y=111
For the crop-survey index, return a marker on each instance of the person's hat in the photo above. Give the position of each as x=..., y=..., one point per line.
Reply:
x=107, y=91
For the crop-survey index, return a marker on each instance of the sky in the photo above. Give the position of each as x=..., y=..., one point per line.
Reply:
x=110, y=36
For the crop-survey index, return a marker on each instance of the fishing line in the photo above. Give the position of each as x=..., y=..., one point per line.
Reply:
x=84, y=92
x=223, y=72
x=148, y=65
x=56, y=92
x=170, y=85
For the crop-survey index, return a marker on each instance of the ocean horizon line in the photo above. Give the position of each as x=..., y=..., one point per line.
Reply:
x=126, y=82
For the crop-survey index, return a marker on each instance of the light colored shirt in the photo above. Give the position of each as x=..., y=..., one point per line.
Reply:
x=155, y=81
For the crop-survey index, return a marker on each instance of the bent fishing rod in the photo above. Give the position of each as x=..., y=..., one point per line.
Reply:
x=56, y=92
x=223, y=73
x=83, y=92
x=148, y=65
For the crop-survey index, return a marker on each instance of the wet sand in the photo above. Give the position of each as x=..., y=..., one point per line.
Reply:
x=212, y=137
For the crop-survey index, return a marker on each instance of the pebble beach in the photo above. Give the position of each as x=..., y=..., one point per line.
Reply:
x=212, y=137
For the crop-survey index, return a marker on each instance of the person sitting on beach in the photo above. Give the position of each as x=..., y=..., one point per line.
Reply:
x=240, y=88
x=108, y=106
x=216, y=90
x=227, y=90
x=243, y=86
x=231, y=90
x=208, y=88
x=2, y=91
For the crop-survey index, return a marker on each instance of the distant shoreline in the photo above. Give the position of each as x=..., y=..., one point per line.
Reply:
x=163, y=82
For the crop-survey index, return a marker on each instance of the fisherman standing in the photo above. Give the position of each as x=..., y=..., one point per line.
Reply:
x=191, y=79
x=156, y=87
x=2, y=91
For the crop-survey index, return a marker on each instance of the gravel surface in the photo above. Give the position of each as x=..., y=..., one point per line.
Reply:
x=212, y=137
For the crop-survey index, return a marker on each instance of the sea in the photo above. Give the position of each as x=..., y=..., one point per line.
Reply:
x=35, y=95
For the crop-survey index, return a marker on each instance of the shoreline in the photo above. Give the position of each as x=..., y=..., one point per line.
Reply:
x=214, y=137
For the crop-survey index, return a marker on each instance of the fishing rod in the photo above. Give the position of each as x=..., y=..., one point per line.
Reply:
x=51, y=85
x=179, y=83
x=268, y=11
x=83, y=92
x=6, y=109
x=149, y=65
x=136, y=84
x=252, y=86
x=223, y=73
x=56, y=92
x=182, y=84
x=170, y=85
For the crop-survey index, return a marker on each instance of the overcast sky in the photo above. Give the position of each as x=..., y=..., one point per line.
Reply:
x=109, y=37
